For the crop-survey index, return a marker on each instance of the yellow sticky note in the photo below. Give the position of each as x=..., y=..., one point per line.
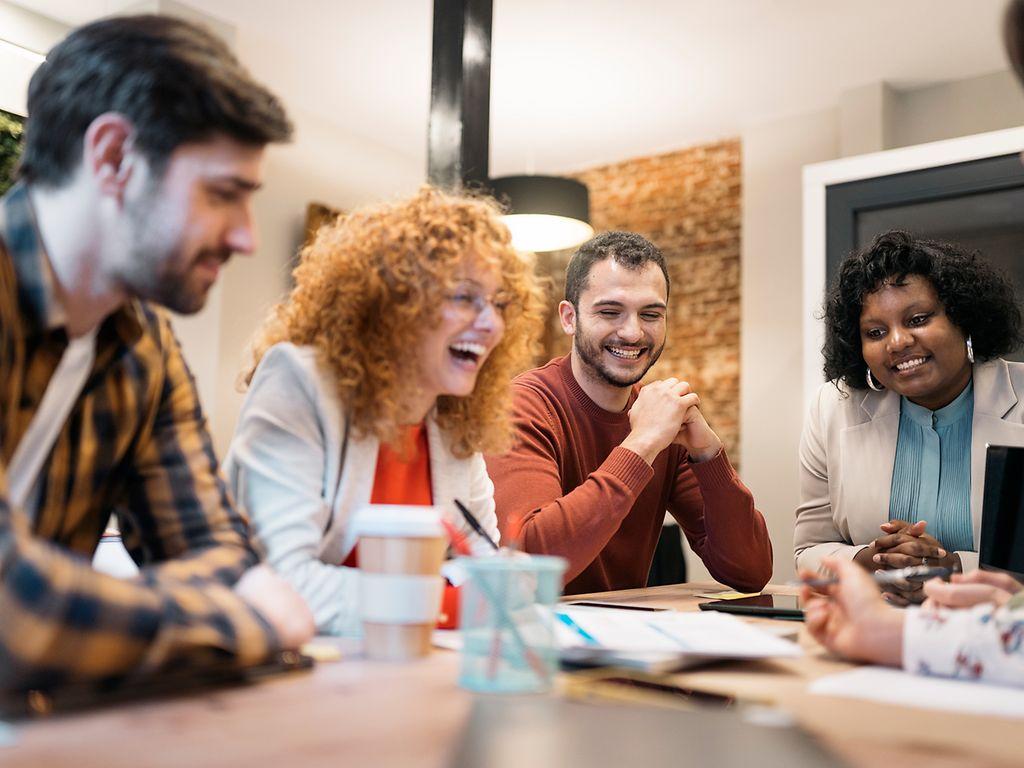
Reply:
x=728, y=595
x=321, y=652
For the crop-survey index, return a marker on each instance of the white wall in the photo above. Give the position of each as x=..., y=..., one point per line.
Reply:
x=866, y=118
x=24, y=37
x=947, y=110
x=869, y=119
x=771, y=351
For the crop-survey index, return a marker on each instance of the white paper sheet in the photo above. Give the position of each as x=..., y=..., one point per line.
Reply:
x=656, y=642
x=715, y=635
x=892, y=686
x=451, y=639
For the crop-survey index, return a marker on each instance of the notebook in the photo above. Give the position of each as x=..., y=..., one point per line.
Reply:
x=660, y=642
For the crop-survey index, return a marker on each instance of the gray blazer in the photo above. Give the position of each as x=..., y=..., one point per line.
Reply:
x=848, y=450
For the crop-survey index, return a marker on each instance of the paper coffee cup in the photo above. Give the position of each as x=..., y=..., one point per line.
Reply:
x=401, y=549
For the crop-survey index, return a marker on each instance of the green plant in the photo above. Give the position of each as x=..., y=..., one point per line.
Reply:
x=11, y=128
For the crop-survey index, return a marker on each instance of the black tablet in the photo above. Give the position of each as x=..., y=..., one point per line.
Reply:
x=1002, y=516
x=766, y=606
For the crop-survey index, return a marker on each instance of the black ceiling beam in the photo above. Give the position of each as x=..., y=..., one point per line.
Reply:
x=460, y=94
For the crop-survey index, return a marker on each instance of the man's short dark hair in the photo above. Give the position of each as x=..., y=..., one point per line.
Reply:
x=175, y=81
x=627, y=248
x=1013, y=36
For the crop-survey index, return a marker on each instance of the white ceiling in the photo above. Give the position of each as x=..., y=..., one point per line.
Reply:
x=582, y=82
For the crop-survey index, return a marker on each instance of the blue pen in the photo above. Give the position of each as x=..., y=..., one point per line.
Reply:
x=568, y=621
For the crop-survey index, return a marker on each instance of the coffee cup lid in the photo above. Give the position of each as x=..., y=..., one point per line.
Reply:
x=398, y=520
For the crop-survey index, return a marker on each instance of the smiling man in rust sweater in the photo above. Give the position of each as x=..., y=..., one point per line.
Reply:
x=598, y=460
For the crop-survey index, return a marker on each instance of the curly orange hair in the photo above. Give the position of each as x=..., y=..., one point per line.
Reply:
x=369, y=285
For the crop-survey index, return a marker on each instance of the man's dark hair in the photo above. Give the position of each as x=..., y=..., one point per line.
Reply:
x=977, y=299
x=175, y=81
x=627, y=248
x=1013, y=36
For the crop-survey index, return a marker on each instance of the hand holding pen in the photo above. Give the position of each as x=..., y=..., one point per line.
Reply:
x=848, y=616
x=915, y=573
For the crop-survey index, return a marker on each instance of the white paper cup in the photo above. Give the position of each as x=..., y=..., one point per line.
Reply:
x=401, y=549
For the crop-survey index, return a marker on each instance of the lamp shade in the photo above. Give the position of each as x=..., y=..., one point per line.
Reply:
x=545, y=213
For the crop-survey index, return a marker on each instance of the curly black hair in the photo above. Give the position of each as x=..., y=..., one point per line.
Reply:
x=977, y=299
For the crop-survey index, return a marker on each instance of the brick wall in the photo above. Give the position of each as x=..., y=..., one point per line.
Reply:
x=688, y=204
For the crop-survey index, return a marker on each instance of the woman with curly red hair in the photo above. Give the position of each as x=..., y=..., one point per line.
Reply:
x=381, y=379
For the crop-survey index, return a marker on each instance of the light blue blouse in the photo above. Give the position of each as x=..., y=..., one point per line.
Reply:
x=931, y=478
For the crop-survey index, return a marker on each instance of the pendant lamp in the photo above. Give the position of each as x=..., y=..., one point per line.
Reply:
x=545, y=213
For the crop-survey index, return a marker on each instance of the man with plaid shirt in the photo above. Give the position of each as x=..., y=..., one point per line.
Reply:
x=142, y=151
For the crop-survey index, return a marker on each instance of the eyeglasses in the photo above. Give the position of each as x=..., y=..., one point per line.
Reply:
x=472, y=301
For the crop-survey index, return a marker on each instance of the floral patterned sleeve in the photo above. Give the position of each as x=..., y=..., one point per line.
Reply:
x=981, y=643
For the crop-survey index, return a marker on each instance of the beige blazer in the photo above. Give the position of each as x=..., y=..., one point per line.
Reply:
x=848, y=450
x=299, y=474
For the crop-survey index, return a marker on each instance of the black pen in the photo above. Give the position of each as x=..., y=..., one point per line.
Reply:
x=475, y=525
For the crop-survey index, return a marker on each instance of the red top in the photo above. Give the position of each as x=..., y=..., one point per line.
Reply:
x=578, y=494
x=402, y=476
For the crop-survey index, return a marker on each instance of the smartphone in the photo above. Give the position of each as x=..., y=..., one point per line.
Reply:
x=622, y=606
x=765, y=606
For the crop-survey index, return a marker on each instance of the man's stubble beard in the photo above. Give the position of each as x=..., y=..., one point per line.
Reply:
x=153, y=254
x=590, y=353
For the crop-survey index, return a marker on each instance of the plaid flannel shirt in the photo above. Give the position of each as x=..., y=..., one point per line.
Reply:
x=135, y=443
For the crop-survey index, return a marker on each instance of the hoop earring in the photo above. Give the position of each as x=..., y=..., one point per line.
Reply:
x=873, y=384
x=970, y=351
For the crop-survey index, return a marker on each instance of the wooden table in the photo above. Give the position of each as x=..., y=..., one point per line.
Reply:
x=862, y=733
x=356, y=712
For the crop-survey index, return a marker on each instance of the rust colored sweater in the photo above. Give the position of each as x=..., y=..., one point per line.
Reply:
x=580, y=495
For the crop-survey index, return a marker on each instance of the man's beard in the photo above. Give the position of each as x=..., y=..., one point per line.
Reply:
x=154, y=282
x=590, y=352
x=154, y=271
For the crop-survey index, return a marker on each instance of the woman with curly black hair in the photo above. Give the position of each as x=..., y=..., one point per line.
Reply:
x=893, y=450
